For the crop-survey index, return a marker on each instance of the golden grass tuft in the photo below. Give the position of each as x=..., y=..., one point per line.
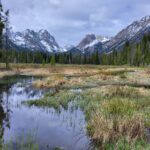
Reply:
x=122, y=91
x=119, y=106
x=116, y=119
x=50, y=82
x=106, y=130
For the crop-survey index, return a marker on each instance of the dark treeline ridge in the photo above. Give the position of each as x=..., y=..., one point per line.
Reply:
x=134, y=54
x=131, y=54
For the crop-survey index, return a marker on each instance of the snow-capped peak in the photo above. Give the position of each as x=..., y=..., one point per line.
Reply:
x=132, y=33
x=135, y=27
x=145, y=19
x=29, y=39
x=42, y=31
x=102, y=39
x=91, y=40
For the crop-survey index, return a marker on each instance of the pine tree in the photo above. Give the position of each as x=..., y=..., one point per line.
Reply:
x=97, y=58
x=52, y=61
x=2, y=25
x=70, y=58
x=84, y=59
x=138, y=54
x=43, y=62
x=104, y=59
x=7, y=28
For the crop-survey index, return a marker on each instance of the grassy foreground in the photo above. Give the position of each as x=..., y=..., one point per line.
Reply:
x=115, y=100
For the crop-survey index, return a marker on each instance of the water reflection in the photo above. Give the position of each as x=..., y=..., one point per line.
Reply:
x=51, y=128
x=4, y=116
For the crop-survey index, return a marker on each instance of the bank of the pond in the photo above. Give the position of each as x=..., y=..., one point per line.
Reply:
x=117, y=117
x=115, y=101
x=8, y=80
x=46, y=127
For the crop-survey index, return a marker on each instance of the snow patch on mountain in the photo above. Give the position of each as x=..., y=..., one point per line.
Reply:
x=91, y=44
x=19, y=40
x=102, y=40
x=90, y=40
x=31, y=40
x=47, y=46
x=132, y=33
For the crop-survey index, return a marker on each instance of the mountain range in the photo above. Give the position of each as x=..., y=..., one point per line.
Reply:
x=44, y=41
x=132, y=33
x=34, y=41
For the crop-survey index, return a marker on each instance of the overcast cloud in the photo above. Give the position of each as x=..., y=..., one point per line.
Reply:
x=70, y=20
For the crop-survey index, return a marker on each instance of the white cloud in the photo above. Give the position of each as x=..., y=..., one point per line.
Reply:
x=70, y=20
x=99, y=15
x=55, y=2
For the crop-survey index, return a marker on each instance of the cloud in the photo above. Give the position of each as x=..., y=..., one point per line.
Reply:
x=70, y=20
x=55, y=2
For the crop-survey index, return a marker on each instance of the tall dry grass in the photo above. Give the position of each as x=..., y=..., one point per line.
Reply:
x=50, y=82
x=117, y=118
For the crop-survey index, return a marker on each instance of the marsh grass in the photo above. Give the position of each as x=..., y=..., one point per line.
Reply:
x=58, y=148
x=23, y=142
x=56, y=101
x=122, y=91
x=119, y=107
x=105, y=130
x=112, y=113
x=115, y=72
x=116, y=118
x=116, y=109
x=123, y=114
x=50, y=82
x=123, y=144
x=123, y=76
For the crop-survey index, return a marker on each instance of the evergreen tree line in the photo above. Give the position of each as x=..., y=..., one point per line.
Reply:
x=22, y=56
x=131, y=54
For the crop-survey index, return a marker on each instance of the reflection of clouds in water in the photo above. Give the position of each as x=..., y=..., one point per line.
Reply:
x=17, y=94
x=53, y=128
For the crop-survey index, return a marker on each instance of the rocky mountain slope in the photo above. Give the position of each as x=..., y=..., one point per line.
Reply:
x=31, y=40
x=90, y=41
x=44, y=41
x=132, y=33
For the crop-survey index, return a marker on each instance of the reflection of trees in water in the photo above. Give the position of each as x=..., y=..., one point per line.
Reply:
x=2, y=118
x=4, y=115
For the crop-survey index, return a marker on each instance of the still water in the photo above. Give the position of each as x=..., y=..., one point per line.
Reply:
x=50, y=129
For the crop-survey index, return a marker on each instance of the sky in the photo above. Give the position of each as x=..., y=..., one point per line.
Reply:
x=70, y=20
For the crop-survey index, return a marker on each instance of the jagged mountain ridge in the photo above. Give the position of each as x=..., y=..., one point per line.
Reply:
x=132, y=33
x=34, y=41
x=44, y=41
x=89, y=41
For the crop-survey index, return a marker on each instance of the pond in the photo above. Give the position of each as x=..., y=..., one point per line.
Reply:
x=49, y=128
